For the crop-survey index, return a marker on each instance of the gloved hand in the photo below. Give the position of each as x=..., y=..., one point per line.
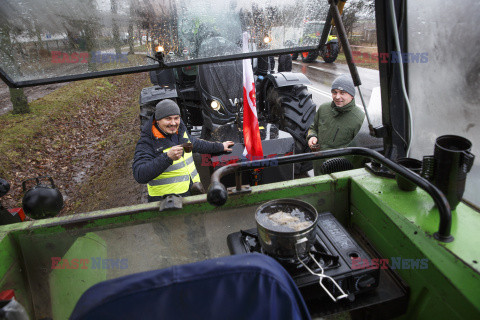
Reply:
x=175, y=152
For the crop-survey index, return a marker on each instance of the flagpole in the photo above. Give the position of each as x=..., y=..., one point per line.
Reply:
x=251, y=132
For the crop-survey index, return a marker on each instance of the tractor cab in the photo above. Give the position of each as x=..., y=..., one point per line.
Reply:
x=394, y=239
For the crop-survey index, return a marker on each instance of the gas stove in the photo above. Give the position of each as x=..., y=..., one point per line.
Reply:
x=334, y=249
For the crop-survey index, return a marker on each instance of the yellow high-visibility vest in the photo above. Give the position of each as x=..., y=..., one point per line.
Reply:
x=176, y=179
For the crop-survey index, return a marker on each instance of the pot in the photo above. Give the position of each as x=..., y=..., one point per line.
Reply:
x=281, y=240
x=43, y=200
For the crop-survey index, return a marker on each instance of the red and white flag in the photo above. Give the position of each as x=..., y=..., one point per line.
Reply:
x=251, y=132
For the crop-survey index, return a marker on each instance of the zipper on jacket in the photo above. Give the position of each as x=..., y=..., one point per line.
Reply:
x=335, y=136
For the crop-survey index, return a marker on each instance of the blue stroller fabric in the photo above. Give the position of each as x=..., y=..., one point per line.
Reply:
x=246, y=286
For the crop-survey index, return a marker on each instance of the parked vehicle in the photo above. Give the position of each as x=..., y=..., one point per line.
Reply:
x=311, y=35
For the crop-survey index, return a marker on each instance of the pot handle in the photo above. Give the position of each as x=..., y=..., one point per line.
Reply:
x=298, y=244
x=37, y=180
x=322, y=276
x=468, y=159
x=24, y=183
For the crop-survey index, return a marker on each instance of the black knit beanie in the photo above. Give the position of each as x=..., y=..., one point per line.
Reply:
x=166, y=108
x=344, y=82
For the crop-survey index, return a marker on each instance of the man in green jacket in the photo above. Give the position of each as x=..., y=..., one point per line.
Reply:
x=336, y=123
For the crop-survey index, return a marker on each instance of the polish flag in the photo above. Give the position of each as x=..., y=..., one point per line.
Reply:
x=251, y=132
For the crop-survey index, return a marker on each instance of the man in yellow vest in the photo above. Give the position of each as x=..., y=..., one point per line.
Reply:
x=161, y=161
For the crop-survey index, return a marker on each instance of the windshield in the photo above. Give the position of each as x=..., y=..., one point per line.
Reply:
x=444, y=83
x=44, y=40
x=314, y=28
x=200, y=30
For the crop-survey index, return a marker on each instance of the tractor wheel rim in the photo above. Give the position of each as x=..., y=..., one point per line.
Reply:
x=328, y=51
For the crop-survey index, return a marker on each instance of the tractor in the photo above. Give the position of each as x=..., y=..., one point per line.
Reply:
x=210, y=96
x=311, y=34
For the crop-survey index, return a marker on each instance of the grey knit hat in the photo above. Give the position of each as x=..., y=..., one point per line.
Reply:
x=166, y=108
x=344, y=82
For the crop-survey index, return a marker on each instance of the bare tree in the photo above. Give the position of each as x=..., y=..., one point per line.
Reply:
x=19, y=101
x=17, y=96
x=354, y=10
x=130, y=30
x=116, y=33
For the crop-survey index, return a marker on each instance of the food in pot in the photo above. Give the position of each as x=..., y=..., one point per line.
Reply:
x=283, y=218
x=288, y=221
x=292, y=238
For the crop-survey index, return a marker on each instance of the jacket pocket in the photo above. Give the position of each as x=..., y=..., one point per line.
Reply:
x=343, y=137
x=335, y=136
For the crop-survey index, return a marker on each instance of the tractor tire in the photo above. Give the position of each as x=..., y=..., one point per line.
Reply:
x=294, y=56
x=153, y=78
x=206, y=134
x=285, y=63
x=331, y=52
x=146, y=112
x=271, y=61
x=310, y=56
x=292, y=110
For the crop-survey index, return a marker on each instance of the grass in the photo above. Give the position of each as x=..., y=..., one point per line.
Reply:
x=142, y=48
x=74, y=128
x=369, y=65
x=364, y=56
x=19, y=132
x=133, y=60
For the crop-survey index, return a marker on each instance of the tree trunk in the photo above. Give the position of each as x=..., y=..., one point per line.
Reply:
x=19, y=101
x=90, y=47
x=130, y=31
x=39, y=43
x=130, y=39
x=115, y=31
x=17, y=96
x=116, y=39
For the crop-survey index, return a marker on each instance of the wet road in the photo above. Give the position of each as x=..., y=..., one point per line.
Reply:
x=322, y=75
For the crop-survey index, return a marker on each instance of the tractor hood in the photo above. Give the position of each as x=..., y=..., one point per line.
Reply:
x=48, y=41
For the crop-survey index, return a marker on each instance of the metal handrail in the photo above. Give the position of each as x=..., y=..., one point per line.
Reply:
x=217, y=193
